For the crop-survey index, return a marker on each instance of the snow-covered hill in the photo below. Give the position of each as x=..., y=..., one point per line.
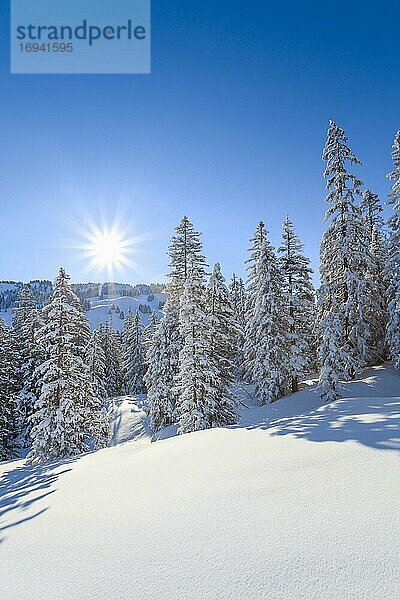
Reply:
x=297, y=501
x=102, y=308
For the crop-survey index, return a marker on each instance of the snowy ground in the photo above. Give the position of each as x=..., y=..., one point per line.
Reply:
x=297, y=501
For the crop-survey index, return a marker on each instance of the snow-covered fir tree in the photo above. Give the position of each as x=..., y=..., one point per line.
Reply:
x=161, y=361
x=133, y=353
x=223, y=335
x=299, y=305
x=111, y=345
x=185, y=252
x=148, y=335
x=375, y=299
x=198, y=375
x=371, y=210
x=95, y=359
x=9, y=419
x=344, y=258
x=330, y=354
x=26, y=323
x=265, y=339
x=257, y=242
x=67, y=419
x=393, y=260
x=237, y=293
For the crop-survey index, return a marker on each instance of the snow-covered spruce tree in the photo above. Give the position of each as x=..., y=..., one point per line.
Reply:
x=26, y=323
x=148, y=335
x=330, y=354
x=393, y=260
x=344, y=257
x=266, y=342
x=96, y=361
x=375, y=298
x=198, y=375
x=238, y=300
x=66, y=409
x=371, y=209
x=111, y=345
x=161, y=359
x=223, y=335
x=299, y=304
x=257, y=241
x=185, y=251
x=133, y=353
x=9, y=418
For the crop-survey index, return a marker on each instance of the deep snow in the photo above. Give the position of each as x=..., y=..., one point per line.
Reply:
x=297, y=501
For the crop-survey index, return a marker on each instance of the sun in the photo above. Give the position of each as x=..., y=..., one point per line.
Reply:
x=107, y=248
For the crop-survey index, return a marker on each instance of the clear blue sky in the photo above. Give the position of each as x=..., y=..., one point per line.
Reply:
x=228, y=128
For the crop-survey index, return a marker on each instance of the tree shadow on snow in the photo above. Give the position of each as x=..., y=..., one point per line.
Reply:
x=22, y=488
x=368, y=421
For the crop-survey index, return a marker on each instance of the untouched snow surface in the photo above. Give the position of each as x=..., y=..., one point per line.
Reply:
x=297, y=501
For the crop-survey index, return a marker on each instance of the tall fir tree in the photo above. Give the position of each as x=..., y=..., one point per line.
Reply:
x=237, y=293
x=26, y=323
x=371, y=210
x=133, y=353
x=375, y=299
x=223, y=335
x=198, y=375
x=299, y=303
x=185, y=252
x=95, y=359
x=9, y=418
x=161, y=356
x=249, y=350
x=148, y=335
x=265, y=340
x=111, y=345
x=344, y=258
x=66, y=413
x=393, y=260
x=161, y=379
x=330, y=353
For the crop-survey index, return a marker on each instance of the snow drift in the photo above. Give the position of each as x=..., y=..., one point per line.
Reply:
x=296, y=501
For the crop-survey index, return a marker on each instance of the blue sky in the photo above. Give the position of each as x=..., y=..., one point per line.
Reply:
x=228, y=128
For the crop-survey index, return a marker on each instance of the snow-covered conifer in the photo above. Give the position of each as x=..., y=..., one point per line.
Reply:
x=238, y=299
x=330, y=354
x=161, y=356
x=111, y=345
x=223, y=335
x=8, y=392
x=371, y=209
x=265, y=340
x=185, y=252
x=148, y=334
x=198, y=375
x=257, y=242
x=65, y=410
x=393, y=261
x=26, y=323
x=96, y=361
x=299, y=304
x=344, y=257
x=133, y=353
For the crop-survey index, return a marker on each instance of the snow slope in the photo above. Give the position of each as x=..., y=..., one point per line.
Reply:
x=100, y=309
x=297, y=501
